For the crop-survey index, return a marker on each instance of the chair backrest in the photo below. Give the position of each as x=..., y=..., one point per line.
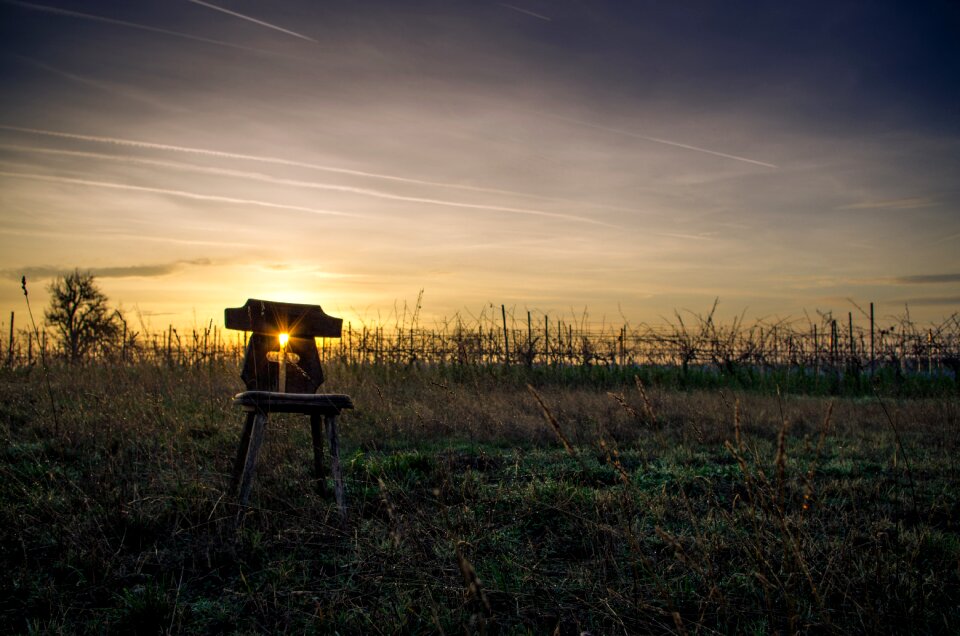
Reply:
x=267, y=320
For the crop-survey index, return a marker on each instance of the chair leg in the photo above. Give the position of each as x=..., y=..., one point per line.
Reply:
x=338, y=488
x=241, y=458
x=316, y=430
x=250, y=465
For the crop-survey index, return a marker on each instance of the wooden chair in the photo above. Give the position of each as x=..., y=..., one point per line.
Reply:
x=281, y=370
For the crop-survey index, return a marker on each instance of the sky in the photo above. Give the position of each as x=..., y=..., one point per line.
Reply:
x=623, y=159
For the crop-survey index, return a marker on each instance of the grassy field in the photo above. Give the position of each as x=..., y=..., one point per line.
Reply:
x=608, y=509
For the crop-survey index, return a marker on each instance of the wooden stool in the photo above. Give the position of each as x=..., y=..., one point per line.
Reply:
x=281, y=370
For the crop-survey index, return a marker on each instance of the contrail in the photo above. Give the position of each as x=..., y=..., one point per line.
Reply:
x=103, y=86
x=138, y=237
x=690, y=237
x=676, y=144
x=949, y=237
x=176, y=193
x=530, y=13
x=891, y=204
x=130, y=25
x=254, y=20
x=657, y=140
x=256, y=176
x=288, y=162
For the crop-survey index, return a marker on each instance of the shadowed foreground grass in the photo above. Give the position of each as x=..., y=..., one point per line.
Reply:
x=671, y=511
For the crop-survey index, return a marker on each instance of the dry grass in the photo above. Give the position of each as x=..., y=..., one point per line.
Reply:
x=674, y=511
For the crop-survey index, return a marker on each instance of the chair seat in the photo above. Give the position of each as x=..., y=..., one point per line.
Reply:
x=308, y=403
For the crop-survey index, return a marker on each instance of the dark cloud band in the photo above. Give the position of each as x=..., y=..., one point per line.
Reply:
x=928, y=278
x=44, y=272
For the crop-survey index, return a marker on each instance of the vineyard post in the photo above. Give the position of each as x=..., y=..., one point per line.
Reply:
x=763, y=353
x=506, y=345
x=10, y=343
x=918, y=352
x=900, y=352
x=834, y=345
x=559, y=342
x=873, y=351
x=774, y=348
x=816, y=353
x=621, y=345
x=529, y=338
x=853, y=343
x=546, y=338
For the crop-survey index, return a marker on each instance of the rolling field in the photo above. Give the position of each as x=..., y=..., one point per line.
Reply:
x=477, y=505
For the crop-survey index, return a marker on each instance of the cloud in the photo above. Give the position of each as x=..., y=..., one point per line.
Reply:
x=255, y=176
x=232, y=155
x=45, y=272
x=933, y=301
x=102, y=86
x=927, y=278
x=805, y=282
x=132, y=143
x=658, y=140
x=175, y=193
x=891, y=204
x=130, y=25
x=692, y=237
x=948, y=237
x=131, y=237
x=149, y=271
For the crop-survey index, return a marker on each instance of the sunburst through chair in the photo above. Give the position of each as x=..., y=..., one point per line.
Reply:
x=281, y=370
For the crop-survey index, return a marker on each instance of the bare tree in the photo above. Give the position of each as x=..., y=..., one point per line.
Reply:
x=79, y=314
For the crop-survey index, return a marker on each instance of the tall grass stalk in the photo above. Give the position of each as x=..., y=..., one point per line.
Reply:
x=43, y=359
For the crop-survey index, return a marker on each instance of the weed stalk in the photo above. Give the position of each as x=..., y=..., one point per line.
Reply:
x=43, y=359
